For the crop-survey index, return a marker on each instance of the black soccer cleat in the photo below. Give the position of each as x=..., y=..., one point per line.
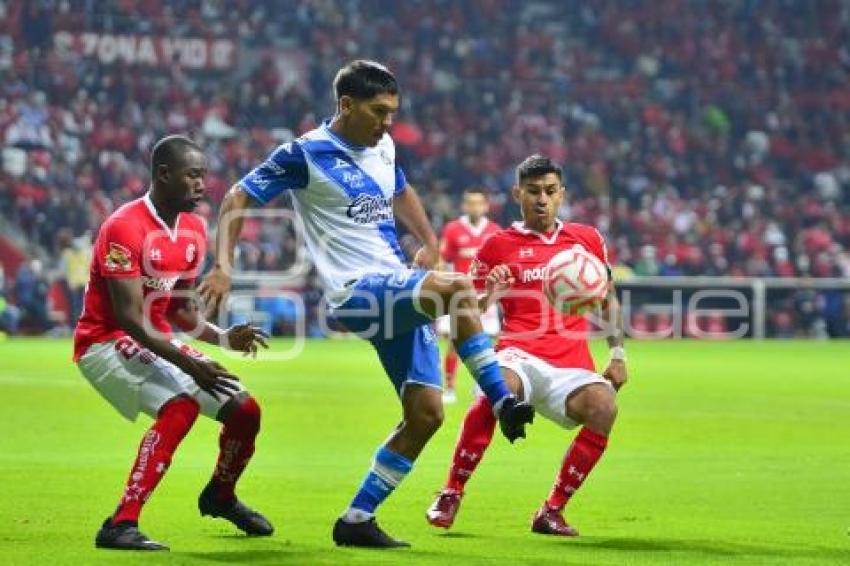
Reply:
x=124, y=536
x=243, y=517
x=366, y=535
x=513, y=416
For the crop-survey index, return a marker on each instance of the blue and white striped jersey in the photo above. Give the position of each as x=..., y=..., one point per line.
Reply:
x=343, y=195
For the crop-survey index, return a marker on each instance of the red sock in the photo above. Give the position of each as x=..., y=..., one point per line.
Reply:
x=450, y=368
x=158, y=444
x=237, y=446
x=475, y=436
x=582, y=456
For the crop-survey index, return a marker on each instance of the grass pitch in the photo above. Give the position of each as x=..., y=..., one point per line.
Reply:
x=732, y=453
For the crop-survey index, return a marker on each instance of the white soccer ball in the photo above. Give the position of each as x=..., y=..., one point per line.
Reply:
x=575, y=281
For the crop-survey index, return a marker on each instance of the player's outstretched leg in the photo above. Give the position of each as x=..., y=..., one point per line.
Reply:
x=440, y=292
x=241, y=418
x=121, y=531
x=476, y=432
x=593, y=405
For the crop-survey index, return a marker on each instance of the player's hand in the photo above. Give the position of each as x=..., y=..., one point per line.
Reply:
x=499, y=280
x=212, y=377
x=245, y=338
x=427, y=257
x=213, y=290
x=616, y=373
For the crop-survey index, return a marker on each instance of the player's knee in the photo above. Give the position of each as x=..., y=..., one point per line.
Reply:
x=601, y=411
x=429, y=419
x=594, y=406
x=462, y=285
x=462, y=297
x=183, y=410
x=246, y=416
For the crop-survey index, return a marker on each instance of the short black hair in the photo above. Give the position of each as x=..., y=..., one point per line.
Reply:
x=362, y=79
x=536, y=166
x=476, y=190
x=170, y=150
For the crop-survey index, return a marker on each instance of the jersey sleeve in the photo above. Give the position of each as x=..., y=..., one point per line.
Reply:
x=596, y=244
x=400, y=180
x=600, y=248
x=285, y=169
x=118, y=253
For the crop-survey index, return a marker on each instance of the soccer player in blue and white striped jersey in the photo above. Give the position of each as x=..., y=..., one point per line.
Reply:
x=347, y=190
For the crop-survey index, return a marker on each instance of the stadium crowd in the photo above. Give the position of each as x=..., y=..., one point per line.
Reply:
x=701, y=138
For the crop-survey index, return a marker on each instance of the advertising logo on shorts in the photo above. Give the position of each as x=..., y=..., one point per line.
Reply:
x=118, y=258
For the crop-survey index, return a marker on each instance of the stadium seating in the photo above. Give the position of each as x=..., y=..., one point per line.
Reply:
x=701, y=139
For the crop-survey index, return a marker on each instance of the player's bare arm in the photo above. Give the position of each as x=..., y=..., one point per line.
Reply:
x=127, y=301
x=408, y=208
x=216, y=285
x=616, y=371
x=186, y=315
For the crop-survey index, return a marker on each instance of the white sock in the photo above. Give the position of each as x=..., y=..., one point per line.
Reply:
x=354, y=515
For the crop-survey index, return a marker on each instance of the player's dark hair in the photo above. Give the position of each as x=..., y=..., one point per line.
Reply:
x=170, y=151
x=363, y=79
x=476, y=190
x=536, y=166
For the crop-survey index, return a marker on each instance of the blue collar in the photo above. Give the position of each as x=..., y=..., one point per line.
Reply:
x=326, y=125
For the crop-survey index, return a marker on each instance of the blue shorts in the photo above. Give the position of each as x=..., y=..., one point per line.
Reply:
x=382, y=309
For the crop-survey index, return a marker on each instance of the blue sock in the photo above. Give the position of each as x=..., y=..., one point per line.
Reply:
x=478, y=355
x=387, y=471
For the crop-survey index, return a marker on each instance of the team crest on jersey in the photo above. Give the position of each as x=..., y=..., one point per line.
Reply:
x=118, y=258
x=526, y=252
x=190, y=253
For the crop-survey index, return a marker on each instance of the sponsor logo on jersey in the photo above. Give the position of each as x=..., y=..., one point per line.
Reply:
x=365, y=209
x=526, y=253
x=156, y=254
x=353, y=179
x=159, y=283
x=534, y=274
x=118, y=258
x=190, y=253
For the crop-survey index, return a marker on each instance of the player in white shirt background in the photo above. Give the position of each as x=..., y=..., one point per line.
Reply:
x=347, y=190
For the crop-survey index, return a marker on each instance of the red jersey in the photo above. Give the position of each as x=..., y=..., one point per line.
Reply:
x=462, y=240
x=529, y=321
x=135, y=242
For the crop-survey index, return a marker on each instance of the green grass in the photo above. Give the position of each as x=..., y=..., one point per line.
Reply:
x=733, y=453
